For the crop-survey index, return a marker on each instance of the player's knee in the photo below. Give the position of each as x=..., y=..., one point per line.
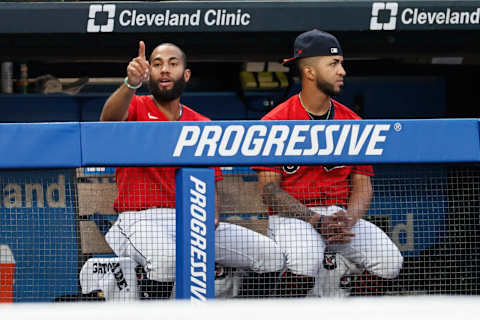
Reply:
x=116, y=241
x=390, y=266
x=394, y=265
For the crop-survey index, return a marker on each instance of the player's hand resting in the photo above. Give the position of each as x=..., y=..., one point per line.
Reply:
x=335, y=228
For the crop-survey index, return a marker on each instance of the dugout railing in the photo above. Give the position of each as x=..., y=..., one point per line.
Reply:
x=425, y=197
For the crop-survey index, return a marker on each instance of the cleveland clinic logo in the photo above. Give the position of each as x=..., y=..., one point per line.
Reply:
x=384, y=16
x=100, y=18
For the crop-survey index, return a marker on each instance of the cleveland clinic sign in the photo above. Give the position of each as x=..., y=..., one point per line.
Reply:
x=385, y=15
x=213, y=17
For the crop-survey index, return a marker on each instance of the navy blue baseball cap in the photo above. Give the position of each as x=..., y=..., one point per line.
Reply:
x=314, y=43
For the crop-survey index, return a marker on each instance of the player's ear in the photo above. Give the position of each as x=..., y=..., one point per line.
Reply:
x=186, y=74
x=308, y=72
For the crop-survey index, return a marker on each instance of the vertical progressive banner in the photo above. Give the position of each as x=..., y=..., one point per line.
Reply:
x=195, y=263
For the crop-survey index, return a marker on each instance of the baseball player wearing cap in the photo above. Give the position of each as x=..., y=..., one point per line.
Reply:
x=319, y=208
x=145, y=228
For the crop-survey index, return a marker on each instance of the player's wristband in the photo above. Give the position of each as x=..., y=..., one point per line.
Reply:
x=129, y=86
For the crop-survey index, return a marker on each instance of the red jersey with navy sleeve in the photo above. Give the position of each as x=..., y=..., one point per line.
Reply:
x=315, y=185
x=141, y=188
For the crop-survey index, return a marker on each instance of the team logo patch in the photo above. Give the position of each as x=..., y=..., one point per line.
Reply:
x=330, y=261
x=290, y=169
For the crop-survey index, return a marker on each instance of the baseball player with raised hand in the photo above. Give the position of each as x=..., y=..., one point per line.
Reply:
x=145, y=228
x=319, y=208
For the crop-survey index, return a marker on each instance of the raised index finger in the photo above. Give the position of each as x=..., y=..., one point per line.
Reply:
x=141, y=50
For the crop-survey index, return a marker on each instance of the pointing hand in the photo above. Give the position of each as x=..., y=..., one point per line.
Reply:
x=138, y=69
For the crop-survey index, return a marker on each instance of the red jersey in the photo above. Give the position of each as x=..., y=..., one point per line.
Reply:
x=315, y=185
x=141, y=188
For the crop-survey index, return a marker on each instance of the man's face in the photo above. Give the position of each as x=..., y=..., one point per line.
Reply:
x=329, y=74
x=168, y=75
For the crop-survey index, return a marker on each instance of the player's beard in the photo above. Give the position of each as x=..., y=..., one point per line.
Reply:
x=167, y=95
x=327, y=88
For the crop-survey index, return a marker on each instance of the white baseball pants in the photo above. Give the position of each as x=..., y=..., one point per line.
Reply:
x=304, y=247
x=148, y=237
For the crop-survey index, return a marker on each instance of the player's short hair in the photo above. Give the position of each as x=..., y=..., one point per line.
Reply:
x=302, y=62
